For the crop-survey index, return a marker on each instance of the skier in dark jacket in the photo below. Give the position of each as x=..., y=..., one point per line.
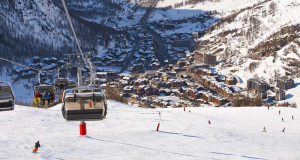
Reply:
x=37, y=145
x=283, y=129
x=52, y=97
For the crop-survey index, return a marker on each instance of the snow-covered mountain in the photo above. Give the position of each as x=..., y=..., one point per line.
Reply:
x=260, y=40
x=111, y=13
x=37, y=27
x=129, y=132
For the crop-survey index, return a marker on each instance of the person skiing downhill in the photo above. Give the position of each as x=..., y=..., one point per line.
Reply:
x=264, y=129
x=209, y=122
x=283, y=129
x=282, y=119
x=292, y=117
x=37, y=146
x=279, y=111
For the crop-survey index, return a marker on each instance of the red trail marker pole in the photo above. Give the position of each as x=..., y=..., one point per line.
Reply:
x=82, y=128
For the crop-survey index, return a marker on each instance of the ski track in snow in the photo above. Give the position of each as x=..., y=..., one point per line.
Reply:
x=130, y=133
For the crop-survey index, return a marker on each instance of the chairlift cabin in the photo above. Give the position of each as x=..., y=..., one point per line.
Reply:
x=44, y=88
x=7, y=97
x=96, y=81
x=87, y=81
x=72, y=84
x=61, y=83
x=85, y=103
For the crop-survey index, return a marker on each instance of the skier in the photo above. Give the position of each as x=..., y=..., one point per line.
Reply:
x=209, y=122
x=292, y=117
x=264, y=129
x=45, y=97
x=190, y=111
x=282, y=119
x=37, y=145
x=283, y=129
x=268, y=107
x=52, y=97
x=37, y=98
x=279, y=111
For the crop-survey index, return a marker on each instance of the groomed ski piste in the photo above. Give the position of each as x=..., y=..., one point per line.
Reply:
x=129, y=132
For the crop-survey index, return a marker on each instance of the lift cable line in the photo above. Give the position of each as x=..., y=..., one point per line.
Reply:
x=19, y=64
x=39, y=70
x=74, y=33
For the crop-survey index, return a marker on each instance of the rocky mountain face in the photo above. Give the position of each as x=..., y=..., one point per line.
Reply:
x=261, y=40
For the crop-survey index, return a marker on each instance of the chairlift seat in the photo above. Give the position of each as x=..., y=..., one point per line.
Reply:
x=60, y=81
x=7, y=97
x=88, y=106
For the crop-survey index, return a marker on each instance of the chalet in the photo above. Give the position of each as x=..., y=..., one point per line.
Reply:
x=139, y=82
x=123, y=83
x=157, y=103
x=178, y=105
x=230, y=80
x=150, y=73
x=140, y=90
x=128, y=89
x=155, y=82
x=158, y=73
x=227, y=93
x=110, y=74
x=285, y=84
x=138, y=68
x=177, y=70
x=205, y=96
x=165, y=76
x=175, y=83
x=193, y=93
x=151, y=90
x=165, y=91
x=112, y=85
x=145, y=102
x=218, y=101
x=182, y=62
x=155, y=65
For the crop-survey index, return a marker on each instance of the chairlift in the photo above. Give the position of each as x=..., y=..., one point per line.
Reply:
x=85, y=103
x=42, y=89
x=7, y=97
x=96, y=81
x=72, y=84
x=60, y=83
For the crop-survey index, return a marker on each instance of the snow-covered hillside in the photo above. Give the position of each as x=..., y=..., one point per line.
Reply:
x=115, y=14
x=258, y=41
x=38, y=27
x=130, y=133
x=178, y=9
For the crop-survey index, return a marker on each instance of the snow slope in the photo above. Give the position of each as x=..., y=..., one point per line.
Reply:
x=129, y=133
